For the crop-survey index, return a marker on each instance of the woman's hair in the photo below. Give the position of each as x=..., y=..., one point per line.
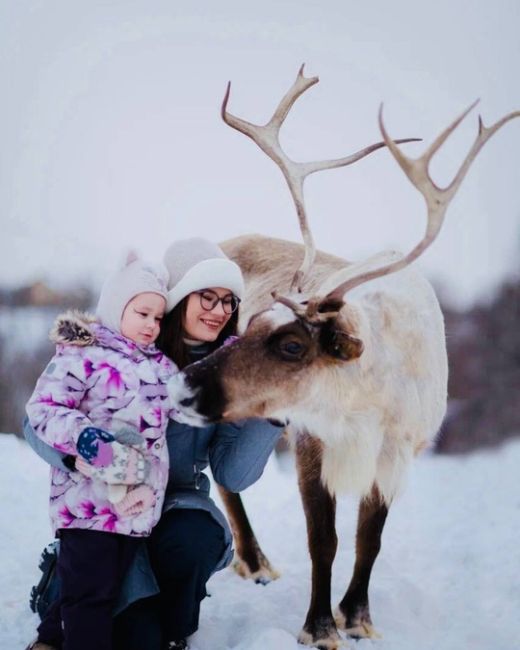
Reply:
x=171, y=337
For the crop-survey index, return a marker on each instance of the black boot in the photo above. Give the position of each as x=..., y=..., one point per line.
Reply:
x=38, y=645
x=180, y=644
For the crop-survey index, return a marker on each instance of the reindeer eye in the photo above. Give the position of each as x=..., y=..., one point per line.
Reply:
x=292, y=349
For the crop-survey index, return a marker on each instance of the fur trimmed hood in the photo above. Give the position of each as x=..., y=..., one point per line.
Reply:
x=80, y=329
x=74, y=327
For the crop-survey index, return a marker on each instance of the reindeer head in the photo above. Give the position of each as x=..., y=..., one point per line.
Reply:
x=289, y=354
x=270, y=370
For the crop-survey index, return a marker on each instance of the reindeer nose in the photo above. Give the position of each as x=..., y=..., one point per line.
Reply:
x=187, y=401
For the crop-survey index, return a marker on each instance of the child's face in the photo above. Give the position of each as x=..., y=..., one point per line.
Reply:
x=141, y=319
x=205, y=324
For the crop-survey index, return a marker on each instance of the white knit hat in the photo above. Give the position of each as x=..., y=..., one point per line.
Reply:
x=196, y=263
x=133, y=278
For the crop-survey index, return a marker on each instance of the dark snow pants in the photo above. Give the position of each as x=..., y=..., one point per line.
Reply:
x=184, y=549
x=90, y=565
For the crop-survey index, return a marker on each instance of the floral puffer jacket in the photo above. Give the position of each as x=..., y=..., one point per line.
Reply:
x=100, y=378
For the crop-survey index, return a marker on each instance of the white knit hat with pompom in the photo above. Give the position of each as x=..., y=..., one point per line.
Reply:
x=135, y=277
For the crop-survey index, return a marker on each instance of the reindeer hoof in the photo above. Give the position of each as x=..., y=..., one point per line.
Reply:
x=262, y=576
x=324, y=637
x=363, y=632
x=357, y=627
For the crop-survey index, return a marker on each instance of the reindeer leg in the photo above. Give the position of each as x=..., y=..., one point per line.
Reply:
x=251, y=561
x=320, y=511
x=353, y=612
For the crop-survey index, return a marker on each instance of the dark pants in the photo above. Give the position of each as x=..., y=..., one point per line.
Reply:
x=184, y=550
x=91, y=565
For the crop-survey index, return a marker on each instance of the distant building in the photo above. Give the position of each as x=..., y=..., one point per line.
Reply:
x=39, y=294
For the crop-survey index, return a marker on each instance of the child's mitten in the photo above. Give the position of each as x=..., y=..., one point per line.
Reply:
x=128, y=466
x=95, y=446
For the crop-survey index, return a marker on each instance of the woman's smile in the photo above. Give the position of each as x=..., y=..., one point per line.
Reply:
x=212, y=323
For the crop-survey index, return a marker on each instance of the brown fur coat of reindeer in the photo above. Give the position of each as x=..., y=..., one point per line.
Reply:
x=353, y=356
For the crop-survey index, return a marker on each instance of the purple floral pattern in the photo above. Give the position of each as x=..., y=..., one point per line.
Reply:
x=118, y=386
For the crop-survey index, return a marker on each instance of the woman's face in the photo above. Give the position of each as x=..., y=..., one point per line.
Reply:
x=201, y=323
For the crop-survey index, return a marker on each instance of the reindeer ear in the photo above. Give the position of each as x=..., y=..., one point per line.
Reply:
x=341, y=345
x=328, y=304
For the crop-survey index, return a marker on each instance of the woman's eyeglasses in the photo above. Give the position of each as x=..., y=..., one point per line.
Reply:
x=209, y=300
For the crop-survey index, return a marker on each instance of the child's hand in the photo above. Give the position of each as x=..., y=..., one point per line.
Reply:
x=135, y=502
x=128, y=467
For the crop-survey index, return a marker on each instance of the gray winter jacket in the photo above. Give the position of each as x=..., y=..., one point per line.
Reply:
x=236, y=453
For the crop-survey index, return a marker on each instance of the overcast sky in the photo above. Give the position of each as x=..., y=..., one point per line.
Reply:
x=111, y=135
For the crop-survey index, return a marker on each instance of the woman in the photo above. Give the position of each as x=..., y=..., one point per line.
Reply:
x=160, y=597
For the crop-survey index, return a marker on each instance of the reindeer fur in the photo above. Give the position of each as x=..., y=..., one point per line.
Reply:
x=375, y=413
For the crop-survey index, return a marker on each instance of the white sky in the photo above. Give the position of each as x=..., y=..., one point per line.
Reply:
x=111, y=137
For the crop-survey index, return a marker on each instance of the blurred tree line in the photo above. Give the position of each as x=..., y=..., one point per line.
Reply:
x=483, y=348
x=484, y=383
x=26, y=315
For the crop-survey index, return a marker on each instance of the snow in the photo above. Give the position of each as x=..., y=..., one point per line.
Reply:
x=446, y=578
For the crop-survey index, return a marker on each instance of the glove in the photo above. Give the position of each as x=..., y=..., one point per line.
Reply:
x=135, y=502
x=128, y=466
x=230, y=339
x=95, y=446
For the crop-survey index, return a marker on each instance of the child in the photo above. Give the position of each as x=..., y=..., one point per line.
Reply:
x=102, y=399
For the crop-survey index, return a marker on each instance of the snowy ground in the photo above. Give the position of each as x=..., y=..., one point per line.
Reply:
x=448, y=576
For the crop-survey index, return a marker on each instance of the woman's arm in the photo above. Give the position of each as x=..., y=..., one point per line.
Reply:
x=46, y=452
x=239, y=451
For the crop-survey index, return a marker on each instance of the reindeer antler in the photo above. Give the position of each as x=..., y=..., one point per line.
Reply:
x=437, y=199
x=266, y=137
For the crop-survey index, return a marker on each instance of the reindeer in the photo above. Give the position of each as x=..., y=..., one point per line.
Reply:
x=351, y=355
